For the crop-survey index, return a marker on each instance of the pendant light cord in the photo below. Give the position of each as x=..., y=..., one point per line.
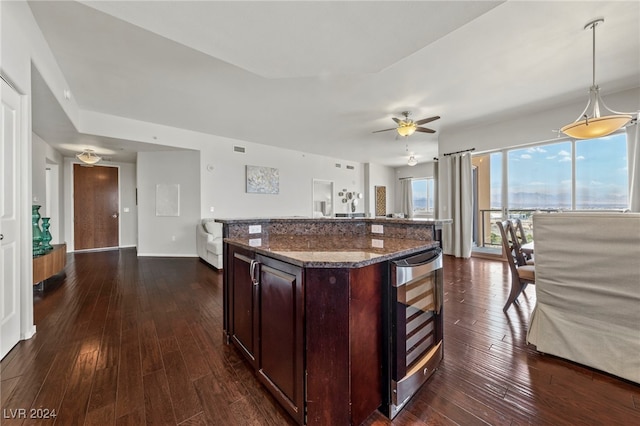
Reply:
x=593, y=28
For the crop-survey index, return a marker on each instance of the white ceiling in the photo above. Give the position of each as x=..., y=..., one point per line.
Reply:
x=321, y=76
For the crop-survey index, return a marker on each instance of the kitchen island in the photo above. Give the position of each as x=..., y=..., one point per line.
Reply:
x=303, y=302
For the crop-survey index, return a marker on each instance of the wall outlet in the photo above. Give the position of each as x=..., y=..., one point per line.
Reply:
x=377, y=229
x=126, y=209
x=211, y=209
x=377, y=243
x=255, y=229
x=255, y=242
x=173, y=238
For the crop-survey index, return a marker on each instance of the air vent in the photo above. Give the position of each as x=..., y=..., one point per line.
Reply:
x=338, y=165
x=238, y=149
x=350, y=167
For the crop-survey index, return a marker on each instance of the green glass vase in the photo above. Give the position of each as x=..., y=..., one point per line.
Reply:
x=37, y=232
x=46, y=235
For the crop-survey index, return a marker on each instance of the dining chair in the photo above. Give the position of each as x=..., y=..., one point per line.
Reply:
x=521, y=274
x=521, y=239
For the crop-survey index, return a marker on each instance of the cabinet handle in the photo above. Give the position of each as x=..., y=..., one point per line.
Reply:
x=252, y=272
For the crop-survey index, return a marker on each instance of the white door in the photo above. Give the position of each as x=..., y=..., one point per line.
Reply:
x=9, y=221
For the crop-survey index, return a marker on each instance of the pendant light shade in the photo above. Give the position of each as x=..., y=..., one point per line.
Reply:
x=591, y=124
x=595, y=127
x=88, y=156
x=412, y=161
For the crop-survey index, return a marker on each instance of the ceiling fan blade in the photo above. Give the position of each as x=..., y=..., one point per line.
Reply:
x=424, y=130
x=385, y=130
x=397, y=120
x=427, y=120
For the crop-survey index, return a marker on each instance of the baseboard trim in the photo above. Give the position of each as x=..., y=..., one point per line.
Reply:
x=165, y=255
x=28, y=334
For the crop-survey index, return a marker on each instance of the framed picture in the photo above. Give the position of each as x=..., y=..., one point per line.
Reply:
x=381, y=200
x=168, y=199
x=263, y=180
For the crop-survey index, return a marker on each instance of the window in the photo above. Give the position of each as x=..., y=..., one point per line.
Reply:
x=601, y=173
x=587, y=174
x=540, y=177
x=423, y=193
x=569, y=175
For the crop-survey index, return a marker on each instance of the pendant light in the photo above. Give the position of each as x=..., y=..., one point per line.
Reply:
x=88, y=156
x=412, y=158
x=592, y=124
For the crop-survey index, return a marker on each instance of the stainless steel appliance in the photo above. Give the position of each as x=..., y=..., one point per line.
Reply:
x=412, y=321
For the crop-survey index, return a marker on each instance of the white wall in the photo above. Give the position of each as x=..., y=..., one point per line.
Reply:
x=168, y=235
x=22, y=45
x=128, y=219
x=43, y=156
x=223, y=186
x=377, y=175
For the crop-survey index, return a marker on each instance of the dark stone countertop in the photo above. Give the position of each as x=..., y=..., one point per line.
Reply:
x=332, y=251
x=381, y=220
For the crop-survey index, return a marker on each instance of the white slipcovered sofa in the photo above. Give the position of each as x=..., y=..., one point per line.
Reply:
x=209, y=242
x=588, y=290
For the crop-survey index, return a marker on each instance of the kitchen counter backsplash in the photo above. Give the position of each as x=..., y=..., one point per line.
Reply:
x=414, y=229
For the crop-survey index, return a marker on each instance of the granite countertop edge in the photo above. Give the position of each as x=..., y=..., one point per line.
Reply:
x=420, y=246
x=404, y=221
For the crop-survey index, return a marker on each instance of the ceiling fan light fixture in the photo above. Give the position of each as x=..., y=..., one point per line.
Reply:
x=88, y=156
x=406, y=128
x=412, y=160
x=592, y=124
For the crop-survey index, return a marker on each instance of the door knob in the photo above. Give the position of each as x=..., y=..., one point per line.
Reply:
x=1, y=237
x=115, y=215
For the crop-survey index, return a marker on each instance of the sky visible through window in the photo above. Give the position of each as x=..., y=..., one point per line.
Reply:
x=422, y=190
x=540, y=177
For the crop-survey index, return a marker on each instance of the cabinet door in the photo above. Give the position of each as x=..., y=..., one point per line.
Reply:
x=243, y=303
x=281, y=364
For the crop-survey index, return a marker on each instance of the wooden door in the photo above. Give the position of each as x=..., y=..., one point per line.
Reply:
x=10, y=221
x=95, y=207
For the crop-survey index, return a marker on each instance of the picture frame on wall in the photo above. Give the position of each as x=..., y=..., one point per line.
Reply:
x=262, y=180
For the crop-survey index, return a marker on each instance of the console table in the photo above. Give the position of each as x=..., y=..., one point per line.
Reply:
x=50, y=263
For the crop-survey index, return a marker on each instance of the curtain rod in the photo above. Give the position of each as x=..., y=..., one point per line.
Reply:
x=459, y=152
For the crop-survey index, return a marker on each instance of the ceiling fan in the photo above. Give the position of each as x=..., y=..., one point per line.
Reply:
x=407, y=127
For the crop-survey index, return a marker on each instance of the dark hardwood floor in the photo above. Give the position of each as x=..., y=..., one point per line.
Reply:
x=123, y=340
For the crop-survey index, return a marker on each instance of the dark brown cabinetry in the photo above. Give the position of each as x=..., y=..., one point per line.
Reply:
x=244, y=304
x=281, y=327
x=303, y=303
x=277, y=311
x=266, y=322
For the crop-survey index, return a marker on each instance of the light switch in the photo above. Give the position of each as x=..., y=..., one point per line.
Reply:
x=126, y=209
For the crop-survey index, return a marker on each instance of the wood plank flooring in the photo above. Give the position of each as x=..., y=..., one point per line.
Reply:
x=123, y=340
